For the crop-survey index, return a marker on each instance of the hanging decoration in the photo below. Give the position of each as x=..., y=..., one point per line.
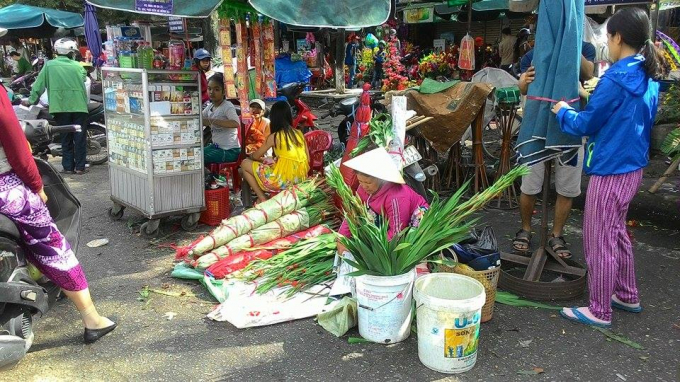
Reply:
x=242, y=68
x=256, y=58
x=466, y=60
x=269, y=58
x=225, y=44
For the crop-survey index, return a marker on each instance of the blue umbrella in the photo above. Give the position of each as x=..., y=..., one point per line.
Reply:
x=92, y=35
x=557, y=57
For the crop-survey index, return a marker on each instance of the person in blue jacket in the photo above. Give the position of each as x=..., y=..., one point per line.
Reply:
x=351, y=52
x=618, y=122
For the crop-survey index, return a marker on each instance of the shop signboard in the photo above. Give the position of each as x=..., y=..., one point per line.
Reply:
x=161, y=7
x=668, y=4
x=176, y=24
x=590, y=3
x=439, y=44
x=302, y=45
x=419, y=15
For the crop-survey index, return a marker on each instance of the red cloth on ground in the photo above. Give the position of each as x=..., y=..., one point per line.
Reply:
x=16, y=148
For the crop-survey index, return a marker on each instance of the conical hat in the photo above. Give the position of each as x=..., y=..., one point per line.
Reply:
x=377, y=163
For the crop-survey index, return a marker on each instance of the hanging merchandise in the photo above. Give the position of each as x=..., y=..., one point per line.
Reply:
x=242, y=67
x=256, y=58
x=225, y=44
x=371, y=41
x=269, y=59
x=466, y=61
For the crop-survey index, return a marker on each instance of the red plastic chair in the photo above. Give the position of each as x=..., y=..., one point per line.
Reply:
x=230, y=169
x=318, y=142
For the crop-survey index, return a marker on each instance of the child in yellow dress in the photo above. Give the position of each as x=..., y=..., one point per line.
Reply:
x=291, y=157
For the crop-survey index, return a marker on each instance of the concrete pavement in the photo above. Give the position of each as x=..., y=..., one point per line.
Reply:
x=148, y=346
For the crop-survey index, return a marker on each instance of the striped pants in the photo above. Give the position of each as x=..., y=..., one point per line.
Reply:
x=608, y=250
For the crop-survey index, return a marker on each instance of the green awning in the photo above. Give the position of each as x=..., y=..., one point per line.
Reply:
x=21, y=16
x=180, y=8
x=325, y=13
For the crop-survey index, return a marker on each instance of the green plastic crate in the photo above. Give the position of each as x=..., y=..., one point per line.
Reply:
x=508, y=95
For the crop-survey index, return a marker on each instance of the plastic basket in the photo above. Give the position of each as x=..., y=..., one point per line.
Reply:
x=488, y=278
x=216, y=206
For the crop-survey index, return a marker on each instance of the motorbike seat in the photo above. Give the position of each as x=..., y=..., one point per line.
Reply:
x=348, y=105
x=289, y=90
x=94, y=107
x=8, y=228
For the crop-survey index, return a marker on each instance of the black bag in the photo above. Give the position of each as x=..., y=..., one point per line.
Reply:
x=480, y=243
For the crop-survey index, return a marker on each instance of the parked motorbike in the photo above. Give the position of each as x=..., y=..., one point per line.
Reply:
x=22, y=84
x=303, y=118
x=24, y=294
x=95, y=140
x=347, y=107
x=413, y=173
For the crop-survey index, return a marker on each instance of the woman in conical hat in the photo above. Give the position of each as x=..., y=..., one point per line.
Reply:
x=383, y=189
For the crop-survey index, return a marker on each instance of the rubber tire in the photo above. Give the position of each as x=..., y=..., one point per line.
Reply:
x=416, y=186
x=144, y=230
x=97, y=133
x=186, y=226
x=118, y=216
x=96, y=152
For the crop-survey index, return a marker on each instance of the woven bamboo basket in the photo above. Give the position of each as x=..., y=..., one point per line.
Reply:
x=488, y=278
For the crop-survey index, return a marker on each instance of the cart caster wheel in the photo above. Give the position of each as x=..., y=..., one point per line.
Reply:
x=190, y=222
x=116, y=215
x=149, y=229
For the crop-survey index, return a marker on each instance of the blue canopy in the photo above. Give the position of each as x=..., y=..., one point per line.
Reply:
x=21, y=16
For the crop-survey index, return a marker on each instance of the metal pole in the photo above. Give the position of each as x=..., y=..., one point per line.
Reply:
x=655, y=19
x=340, y=62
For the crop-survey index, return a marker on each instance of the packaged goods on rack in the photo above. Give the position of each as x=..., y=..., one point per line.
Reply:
x=127, y=143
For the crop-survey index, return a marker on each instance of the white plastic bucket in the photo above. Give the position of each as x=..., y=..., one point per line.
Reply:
x=449, y=311
x=385, y=307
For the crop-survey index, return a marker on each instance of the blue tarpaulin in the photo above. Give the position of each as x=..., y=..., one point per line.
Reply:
x=288, y=71
x=557, y=57
x=92, y=35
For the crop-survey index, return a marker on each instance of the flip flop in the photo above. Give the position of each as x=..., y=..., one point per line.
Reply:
x=625, y=308
x=583, y=319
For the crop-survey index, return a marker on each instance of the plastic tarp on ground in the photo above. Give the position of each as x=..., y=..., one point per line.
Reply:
x=202, y=8
x=557, y=61
x=288, y=71
x=325, y=13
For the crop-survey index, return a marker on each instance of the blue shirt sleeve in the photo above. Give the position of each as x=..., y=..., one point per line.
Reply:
x=601, y=105
x=525, y=62
x=588, y=51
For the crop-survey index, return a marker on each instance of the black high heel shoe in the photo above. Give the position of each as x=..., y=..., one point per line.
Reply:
x=92, y=335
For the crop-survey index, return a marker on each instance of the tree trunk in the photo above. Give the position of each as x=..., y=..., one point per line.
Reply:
x=340, y=61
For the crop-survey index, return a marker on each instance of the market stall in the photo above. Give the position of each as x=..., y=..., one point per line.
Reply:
x=155, y=142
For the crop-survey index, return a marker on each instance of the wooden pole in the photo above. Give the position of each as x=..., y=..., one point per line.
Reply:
x=665, y=176
x=340, y=62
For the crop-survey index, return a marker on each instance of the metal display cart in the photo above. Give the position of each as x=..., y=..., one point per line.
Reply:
x=155, y=142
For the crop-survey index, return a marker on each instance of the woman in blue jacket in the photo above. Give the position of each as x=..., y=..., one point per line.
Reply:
x=617, y=121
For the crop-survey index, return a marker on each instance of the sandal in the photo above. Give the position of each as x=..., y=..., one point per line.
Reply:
x=522, y=241
x=559, y=246
x=573, y=314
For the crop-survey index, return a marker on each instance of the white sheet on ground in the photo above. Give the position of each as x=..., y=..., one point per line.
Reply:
x=245, y=309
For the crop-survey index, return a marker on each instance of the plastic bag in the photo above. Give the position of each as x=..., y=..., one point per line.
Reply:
x=341, y=318
x=480, y=243
x=371, y=41
x=466, y=60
